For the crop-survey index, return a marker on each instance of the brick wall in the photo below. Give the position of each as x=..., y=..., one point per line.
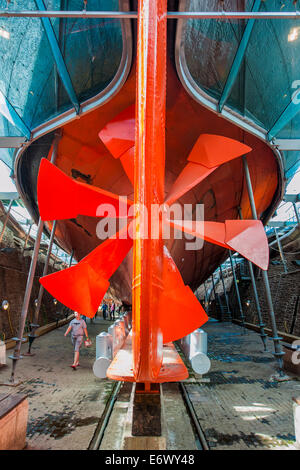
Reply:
x=285, y=289
x=14, y=268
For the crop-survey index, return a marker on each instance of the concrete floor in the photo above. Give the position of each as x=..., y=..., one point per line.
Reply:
x=240, y=408
x=64, y=405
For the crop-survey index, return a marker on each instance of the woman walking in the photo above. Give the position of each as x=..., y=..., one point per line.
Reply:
x=78, y=328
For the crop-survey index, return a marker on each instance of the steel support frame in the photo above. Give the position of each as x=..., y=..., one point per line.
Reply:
x=9, y=142
x=175, y=15
x=278, y=353
x=58, y=57
x=242, y=316
x=35, y=325
x=224, y=288
x=237, y=62
x=281, y=252
x=9, y=112
x=213, y=285
x=205, y=295
x=262, y=333
x=296, y=213
x=217, y=298
x=56, y=256
x=6, y=219
x=27, y=237
x=19, y=340
x=284, y=119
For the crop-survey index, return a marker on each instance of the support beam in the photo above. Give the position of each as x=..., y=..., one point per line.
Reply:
x=171, y=15
x=242, y=316
x=284, y=119
x=225, y=292
x=12, y=142
x=296, y=212
x=56, y=256
x=9, y=112
x=9, y=196
x=19, y=340
x=58, y=57
x=240, y=54
x=292, y=197
x=263, y=335
x=27, y=237
x=278, y=353
x=71, y=259
x=6, y=220
x=281, y=252
x=213, y=285
x=280, y=224
x=287, y=144
x=205, y=295
x=35, y=325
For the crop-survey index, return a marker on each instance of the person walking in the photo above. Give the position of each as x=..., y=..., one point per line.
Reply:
x=79, y=329
x=112, y=311
x=104, y=310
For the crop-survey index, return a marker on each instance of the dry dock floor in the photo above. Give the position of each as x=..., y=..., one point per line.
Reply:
x=240, y=408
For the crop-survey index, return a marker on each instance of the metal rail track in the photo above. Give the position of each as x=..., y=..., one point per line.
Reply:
x=201, y=441
x=103, y=422
x=95, y=443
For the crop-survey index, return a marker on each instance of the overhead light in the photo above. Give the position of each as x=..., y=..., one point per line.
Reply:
x=293, y=34
x=4, y=34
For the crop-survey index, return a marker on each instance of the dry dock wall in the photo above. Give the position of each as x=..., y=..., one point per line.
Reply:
x=14, y=268
x=285, y=289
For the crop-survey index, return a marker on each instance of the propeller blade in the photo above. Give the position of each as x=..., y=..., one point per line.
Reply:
x=78, y=288
x=247, y=237
x=209, y=152
x=213, y=150
x=175, y=299
x=119, y=137
x=213, y=232
x=191, y=175
x=61, y=197
x=82, y=287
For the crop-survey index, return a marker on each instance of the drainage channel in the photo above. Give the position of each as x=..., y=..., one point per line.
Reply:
x=173, y=420
x=200, y=438
x=104, y=420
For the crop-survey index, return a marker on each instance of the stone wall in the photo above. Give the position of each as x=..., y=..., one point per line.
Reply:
x=14, y=268
x=285, y=290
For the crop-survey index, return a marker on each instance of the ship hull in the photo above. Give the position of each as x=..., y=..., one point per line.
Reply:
x=83, y=156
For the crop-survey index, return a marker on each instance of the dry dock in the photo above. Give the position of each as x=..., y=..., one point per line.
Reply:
x=238, y=404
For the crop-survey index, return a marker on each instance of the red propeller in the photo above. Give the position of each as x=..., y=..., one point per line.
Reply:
x=61, y=197
x=83, y=286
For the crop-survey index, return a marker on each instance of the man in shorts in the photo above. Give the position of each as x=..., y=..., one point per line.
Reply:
x=79, y=329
